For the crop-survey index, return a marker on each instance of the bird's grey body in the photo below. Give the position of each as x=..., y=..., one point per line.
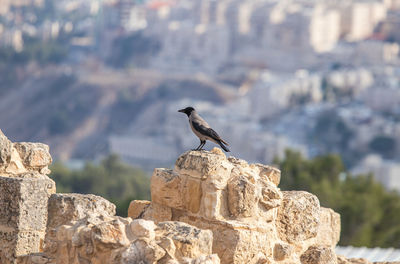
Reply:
x=202, y=129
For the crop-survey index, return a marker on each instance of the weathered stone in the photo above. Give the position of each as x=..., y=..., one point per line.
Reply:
x=34, y=155
x=142, y=252
x=189, y=241
x=210, y=259
x=35, y=258
x=64, y=208
x=242, y=196
x=23, y=215
x=271, y=197
x=298, y=216
x=318, y=255
x=109, y=235
x=137, y=208
x=343, y=260
x=282, y=251
x=329, y=228
x=192, y=194
x=15, y=165
x=269, y=173
x=201, y=164
x=166, y=186
x=5, y=150
x=143, y=229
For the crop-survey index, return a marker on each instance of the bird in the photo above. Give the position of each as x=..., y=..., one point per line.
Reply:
x=202, y=129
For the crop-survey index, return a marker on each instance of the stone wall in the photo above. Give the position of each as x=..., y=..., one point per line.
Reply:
x=24, y=191
x=209, y=209
x=252, y=220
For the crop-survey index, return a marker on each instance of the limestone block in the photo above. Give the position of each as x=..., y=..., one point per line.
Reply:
x=141, y=251
x=212, y=206
x=5, y=150
x=15, y=166
x=34, y=155
x=23, y=214
x=166, y=188
x=210, y=259
x=201, y=165
x=343, y=260
x=188, y=240
x=143, y=229
x=271, y=196
x=298, y=216
x=192, y=194
x=150, y=211
x=319, y=255
x=269, y=173
x=329, y=228
x=282, y=251
x=109, y=235
x=243, y=196
x=237, y=242
x=64, y=208
x=35, y=258
x=18, y=243
x=137, y=208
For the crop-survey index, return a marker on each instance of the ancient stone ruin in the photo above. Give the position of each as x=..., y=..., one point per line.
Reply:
x=209, y=209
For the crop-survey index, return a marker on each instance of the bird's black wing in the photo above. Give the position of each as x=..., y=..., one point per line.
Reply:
x=207, y=131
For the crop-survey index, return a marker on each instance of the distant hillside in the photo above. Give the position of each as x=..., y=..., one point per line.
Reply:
x=75, y=110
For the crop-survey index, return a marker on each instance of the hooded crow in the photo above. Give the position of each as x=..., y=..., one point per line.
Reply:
x=202, y=129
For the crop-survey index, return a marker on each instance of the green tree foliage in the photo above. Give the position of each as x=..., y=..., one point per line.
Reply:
x=370, y=215
x=111, y=179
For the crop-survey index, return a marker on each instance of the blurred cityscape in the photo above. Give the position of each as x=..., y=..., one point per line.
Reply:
x=93, y=77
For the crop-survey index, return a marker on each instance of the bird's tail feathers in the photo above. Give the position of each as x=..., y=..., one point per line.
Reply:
x=223, y=141
x=223, y=146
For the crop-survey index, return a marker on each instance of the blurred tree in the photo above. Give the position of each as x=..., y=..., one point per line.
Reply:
x=111, y=179
x=370, y=215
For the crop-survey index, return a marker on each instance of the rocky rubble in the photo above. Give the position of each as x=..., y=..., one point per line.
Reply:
x=24, y=192
x=209, y=209
x=252, y=220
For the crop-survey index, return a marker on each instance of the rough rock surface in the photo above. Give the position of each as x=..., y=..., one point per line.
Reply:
x=252, y=220
x=209, y=209
x=24, y=192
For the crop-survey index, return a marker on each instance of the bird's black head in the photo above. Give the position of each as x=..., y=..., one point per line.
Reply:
x=188, y=110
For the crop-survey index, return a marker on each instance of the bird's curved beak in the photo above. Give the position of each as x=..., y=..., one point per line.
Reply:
x=182, y=110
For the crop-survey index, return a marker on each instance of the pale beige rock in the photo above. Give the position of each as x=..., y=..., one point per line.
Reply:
x=109, y=235
x=143, y=229
x=34, y=155
x=35, y=258
x=189, y=241
x=298, y=216
x=137, y=208
x=282, y=251
x=319, y=255
x=271, y=196
x=329, y=228
x=251, y=219
x=15, y=165
x=167, y=188
x=242, y=196
x=23, y=215
x=343, y=260
x=64, y=208
x=270, y=173
x=5, y=150
x=202, y=164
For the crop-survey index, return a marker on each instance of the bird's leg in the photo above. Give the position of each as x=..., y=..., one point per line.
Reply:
x=203, y=142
